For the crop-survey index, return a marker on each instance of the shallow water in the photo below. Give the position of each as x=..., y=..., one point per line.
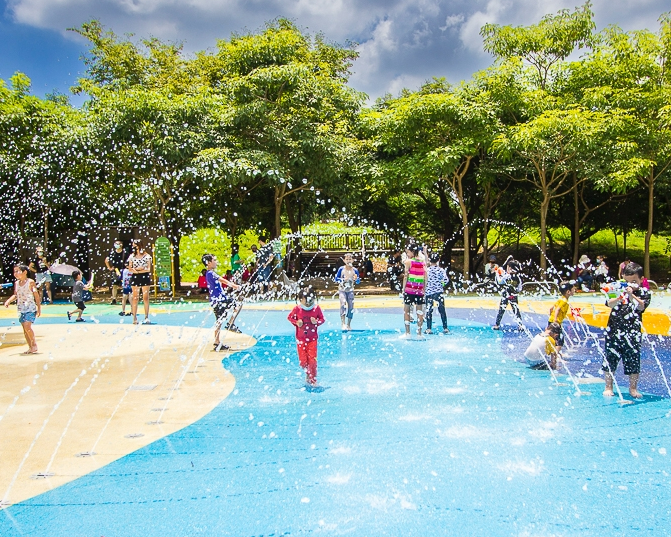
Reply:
x=448, y=435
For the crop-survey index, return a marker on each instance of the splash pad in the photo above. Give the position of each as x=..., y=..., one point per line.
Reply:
x=408, y=437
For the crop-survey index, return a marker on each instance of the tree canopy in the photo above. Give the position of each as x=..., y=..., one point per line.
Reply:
x=263, y=131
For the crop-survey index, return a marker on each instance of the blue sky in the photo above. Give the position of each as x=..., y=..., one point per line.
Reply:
x=46, y=56
x=402, y=43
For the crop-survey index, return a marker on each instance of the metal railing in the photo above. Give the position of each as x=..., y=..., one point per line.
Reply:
x=347, y=241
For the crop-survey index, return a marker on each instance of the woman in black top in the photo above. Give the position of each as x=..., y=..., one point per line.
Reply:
x=139, y=265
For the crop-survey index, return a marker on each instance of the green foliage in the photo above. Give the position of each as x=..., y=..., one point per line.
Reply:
x=264, y=134
x=542, y=45
x=212, y=241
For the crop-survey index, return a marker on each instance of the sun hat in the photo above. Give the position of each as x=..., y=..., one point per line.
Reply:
x=584, y=259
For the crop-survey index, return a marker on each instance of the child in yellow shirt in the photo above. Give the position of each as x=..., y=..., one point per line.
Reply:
x=560, y=310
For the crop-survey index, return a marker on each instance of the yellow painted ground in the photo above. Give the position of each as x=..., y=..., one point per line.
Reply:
x=656, y=321
x=99, y=388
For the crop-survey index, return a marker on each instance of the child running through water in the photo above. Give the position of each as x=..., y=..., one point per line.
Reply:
x=28, y=303
x=623, y=333
x=436, y=281
x=78, y=296
x=560, y=310
x=510, y=285
x=307, y=317
x=347, y=276
x=542, y=352
x=414, y=285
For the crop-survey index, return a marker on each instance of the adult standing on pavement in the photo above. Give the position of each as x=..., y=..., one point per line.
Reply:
x=39, y=266
x=139, y=264
x=115, y=263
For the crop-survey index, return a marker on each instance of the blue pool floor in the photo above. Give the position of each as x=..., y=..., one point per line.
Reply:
x=445, y=436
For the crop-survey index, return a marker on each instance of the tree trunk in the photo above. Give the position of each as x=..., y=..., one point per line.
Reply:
x=46, y=230
x=234, y=230
x=545, y=205
x=648, y=233
x=291, y=215
x=485, y=222
x=22, y=224
x=447, y=228
x=485, y=241
x=576, y=222
x=175, y=260
x=467, y=241
x=617, y=249
x=175, y=237
x=517, y=243
x=279, y=198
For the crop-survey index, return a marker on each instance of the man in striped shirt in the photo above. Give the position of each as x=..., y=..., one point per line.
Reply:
x=436, y=281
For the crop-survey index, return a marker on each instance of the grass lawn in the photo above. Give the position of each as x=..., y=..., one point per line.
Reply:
x=602, y=243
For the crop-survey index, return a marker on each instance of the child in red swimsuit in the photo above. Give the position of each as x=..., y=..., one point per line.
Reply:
x=306, y=317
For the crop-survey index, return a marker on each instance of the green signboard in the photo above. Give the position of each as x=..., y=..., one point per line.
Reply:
x=163, y=264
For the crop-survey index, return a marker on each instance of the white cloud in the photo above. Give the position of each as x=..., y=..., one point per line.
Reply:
x=404, y=82
x=403, y=42
x=470, y=30
x=452, y=21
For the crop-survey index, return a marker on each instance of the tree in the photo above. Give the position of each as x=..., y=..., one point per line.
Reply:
x=290, y=111
x=150, y=141
x=40, y=163
x=429, y=142
x=151, y=122
x=627, y=75
x=548, y=149
x=544, y=45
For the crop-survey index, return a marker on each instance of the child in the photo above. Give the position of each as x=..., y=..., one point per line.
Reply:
x=248, y=272
x=490, y=268
x=414, y=285
x=510, y=285
x=347, y=276
x=306, y=317
x=78, y=296
x=560, y=310
x=220, y=301
x=436, y=281
x=236, y=263
x=542, y=352
x=621, y=268
x=623, y=333
x=202, y=282
x=28, y=304
x=601, y=270
x=126, y=291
